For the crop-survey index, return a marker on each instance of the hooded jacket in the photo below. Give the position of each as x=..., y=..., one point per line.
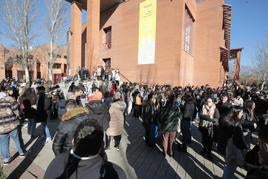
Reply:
x=66, y=129
x=117, y=118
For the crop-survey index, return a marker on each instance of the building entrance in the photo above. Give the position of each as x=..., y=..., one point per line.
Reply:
x=107, y=68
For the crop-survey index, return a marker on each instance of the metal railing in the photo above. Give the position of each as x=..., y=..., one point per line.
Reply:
x=124, y=77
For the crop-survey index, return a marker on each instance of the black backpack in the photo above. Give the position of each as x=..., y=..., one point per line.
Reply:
x=100, y=113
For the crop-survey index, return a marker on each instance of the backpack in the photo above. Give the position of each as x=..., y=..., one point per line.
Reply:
x=100, y=113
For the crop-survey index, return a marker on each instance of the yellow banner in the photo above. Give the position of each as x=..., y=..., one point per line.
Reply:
x=147, y=32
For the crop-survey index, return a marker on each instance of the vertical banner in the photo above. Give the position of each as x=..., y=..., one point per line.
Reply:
x=147, y=32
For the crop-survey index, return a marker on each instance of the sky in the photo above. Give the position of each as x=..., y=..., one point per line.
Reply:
x=39, y=26
x=249, y=27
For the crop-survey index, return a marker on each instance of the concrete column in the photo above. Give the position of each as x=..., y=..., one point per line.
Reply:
x=93, y=28
x=76, y=37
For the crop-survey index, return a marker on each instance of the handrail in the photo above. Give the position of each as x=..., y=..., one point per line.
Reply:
x=124, y=77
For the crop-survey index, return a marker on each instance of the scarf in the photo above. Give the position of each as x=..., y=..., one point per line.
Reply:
x=209, y=110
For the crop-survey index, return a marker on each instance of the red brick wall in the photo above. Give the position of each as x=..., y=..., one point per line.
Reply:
x=172, y=64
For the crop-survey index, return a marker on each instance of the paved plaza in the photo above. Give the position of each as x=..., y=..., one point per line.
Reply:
x=134, y=157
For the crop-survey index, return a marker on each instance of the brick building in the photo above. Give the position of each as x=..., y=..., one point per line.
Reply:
x=38, y=66
x=177, y=42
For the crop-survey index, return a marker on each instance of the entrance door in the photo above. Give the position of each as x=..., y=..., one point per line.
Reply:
x=107, y=67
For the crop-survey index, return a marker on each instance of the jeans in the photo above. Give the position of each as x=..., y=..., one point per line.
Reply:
x=228, y=172
x=31, y=127
x=117, y=140
x=4, y=144
x=45, y=129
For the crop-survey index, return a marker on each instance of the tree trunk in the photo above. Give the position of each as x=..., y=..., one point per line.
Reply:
x=50, y=73
x=27, y=74
x=50, y=60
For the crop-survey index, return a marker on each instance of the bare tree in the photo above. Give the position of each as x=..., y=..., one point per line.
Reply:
x=18, y=16
x=55, y=25
x=262, y=62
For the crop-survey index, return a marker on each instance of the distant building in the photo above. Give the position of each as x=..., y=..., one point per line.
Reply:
x=176, y=42
x=38, y=64
x=3, y=51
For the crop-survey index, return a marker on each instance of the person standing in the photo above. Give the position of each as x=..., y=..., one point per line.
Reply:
x=28, y=100
x=149, y=115
x=224, y=133
x=116, y=123
x=236, y=146
x=65, y=132
x=249, y=122
x=85, y=159
x=188, y=114
x=169, y=124
x=209, y=117
x=43, y=107
x=256, y=160
x=9, y=123
x=117, y=77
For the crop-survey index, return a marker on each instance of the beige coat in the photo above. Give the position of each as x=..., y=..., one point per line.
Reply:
x=116, y=123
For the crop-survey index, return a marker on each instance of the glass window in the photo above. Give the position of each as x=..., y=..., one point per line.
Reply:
x=108, y=37
x=56, y=66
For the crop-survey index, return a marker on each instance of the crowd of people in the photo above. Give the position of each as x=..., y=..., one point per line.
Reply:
x=232, y=121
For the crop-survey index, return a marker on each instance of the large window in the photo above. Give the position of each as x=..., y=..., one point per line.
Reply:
x=56, y=66
x=108, y=37
x=188, y=31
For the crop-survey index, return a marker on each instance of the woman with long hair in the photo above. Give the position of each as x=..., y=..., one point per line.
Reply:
x=169, y=124
x=209, y=118
x=236, y=146
x=249, y=121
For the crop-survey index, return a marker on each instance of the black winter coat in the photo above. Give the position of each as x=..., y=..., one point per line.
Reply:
x=66, y=129
x=238, y=138
x=43, y=105
x=100, y=113
x=189, y=109
x=253, y=167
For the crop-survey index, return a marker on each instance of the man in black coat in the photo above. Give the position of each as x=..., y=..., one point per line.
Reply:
x=42, y=111
x=257, y=159
x=84, y=160
x=188, y=115
x=66, y=129
x=224, y=131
